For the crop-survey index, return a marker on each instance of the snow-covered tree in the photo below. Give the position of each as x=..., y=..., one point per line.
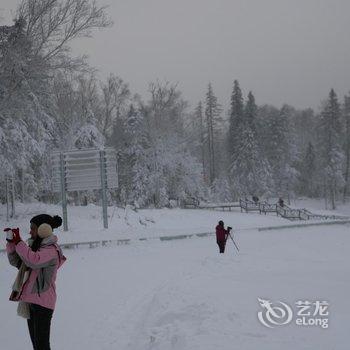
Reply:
x=115, y=95
x=155, y=162
x=236, y=120
x=277, y=137
x=77, y=114
x=308, y=181
x=346, y=114
x=26, y=123
x=304, y=123
x=199, y=131
x=330, y=152
x=220, y=191
x=213, y=120
x=32, y=52
x=133, y=167
x=250, y=171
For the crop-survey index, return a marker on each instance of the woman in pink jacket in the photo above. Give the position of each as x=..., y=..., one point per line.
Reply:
x=34, y=288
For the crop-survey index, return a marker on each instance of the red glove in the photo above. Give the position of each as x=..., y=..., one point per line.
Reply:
x=16, y=236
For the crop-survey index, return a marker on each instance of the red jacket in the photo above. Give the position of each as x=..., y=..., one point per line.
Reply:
x=221, y=233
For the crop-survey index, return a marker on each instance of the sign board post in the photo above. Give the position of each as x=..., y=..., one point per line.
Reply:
x=103, y=188
x=63, y=193
x=10, y=196
x=87, y=169
x=7, y=198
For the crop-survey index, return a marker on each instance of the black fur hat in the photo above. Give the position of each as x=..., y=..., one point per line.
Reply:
x=54, y=222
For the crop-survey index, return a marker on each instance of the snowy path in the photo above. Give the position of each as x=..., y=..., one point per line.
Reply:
x=182, y=295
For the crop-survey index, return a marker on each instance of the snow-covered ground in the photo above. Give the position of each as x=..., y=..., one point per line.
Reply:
x=85, y=223
x=182, y=294
x=318, y=206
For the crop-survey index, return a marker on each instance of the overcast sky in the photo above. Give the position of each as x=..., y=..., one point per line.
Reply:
x=285, y=51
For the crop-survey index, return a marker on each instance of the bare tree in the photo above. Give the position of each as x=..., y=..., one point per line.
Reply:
x=115, y=95
x=167, y=107
x=52, y=24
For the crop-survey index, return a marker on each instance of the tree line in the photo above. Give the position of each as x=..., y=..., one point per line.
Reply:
x=50, y=100
x=272, y=152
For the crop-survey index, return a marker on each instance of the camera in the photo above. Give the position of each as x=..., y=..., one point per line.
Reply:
x=229, y=228
x=9, y=235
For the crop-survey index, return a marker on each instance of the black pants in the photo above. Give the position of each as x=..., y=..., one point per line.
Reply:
x=221, y=245
x=39, y=326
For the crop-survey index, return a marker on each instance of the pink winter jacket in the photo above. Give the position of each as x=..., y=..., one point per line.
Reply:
x=40, y=287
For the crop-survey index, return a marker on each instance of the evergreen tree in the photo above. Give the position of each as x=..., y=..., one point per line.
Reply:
x=236, y=119
x=304, y=123
x=250, y=171
x=330, y=152
x=279, y=146
x=135, y=172
x=199, y=126
x=251, y=111
x=213, y=119
x=346, y=113
x=307, y=172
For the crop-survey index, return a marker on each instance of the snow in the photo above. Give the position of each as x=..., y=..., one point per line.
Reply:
x=184, y=295
x=318, y=207
x=85, y=223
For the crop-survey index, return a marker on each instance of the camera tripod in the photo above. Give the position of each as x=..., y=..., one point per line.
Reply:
x=229, y=235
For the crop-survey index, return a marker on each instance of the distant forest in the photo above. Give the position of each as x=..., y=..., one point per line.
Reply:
x=50, y=100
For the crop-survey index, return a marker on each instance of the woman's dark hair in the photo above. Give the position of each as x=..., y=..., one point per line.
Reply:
x=36, y=244
x=54, y=222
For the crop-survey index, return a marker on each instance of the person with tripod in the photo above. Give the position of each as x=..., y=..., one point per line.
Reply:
x=221, y=236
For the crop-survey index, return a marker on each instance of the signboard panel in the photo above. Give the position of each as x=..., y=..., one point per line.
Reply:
x=81, y=170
